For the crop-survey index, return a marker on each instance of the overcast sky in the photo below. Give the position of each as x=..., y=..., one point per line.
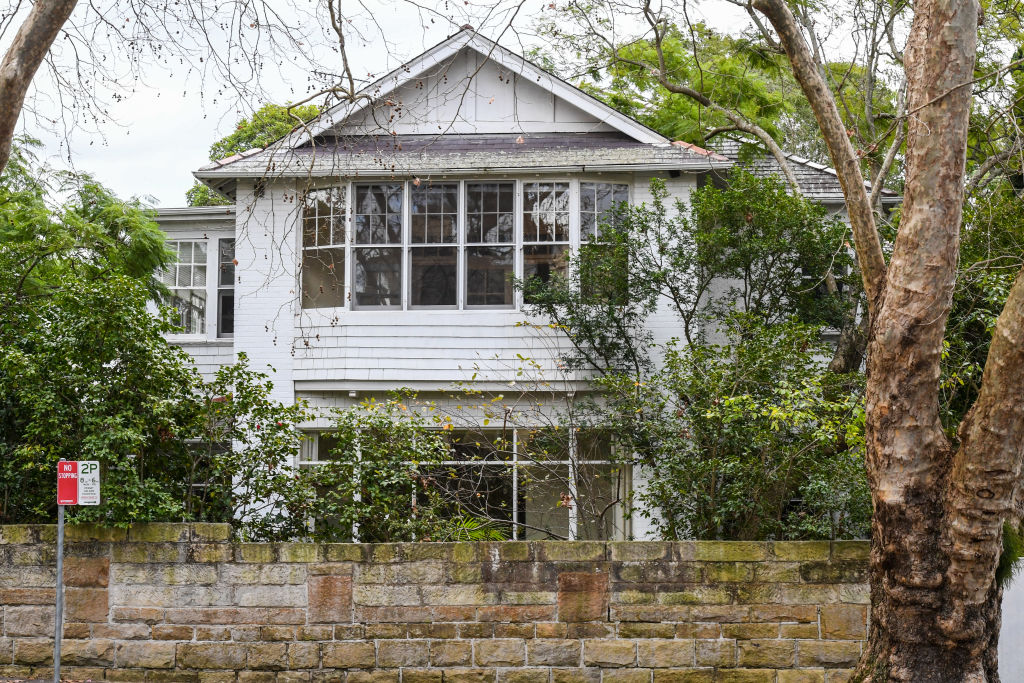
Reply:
x=161, y=131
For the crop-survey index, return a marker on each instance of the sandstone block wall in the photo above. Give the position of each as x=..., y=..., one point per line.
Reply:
x=179, y=602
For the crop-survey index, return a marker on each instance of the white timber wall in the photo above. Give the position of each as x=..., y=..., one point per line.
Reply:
x=208, y=352
x=266, y=288
x=469, y=94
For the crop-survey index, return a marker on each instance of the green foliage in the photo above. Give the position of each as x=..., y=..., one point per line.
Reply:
x=991, y=254
x=746, y=433
x=751, y=439
x=378, y=452
x=1009, y=560
x=85, y=372
x=268, y=124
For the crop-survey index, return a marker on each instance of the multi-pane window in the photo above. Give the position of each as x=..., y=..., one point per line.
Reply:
x=526, y=483
x=545, y=230
x=186, y=280
x=446, y=244
x=377, y=252
x=490, y=240
x=598, y=202
x=226, y=288
x=433, y=245
x=323, y=248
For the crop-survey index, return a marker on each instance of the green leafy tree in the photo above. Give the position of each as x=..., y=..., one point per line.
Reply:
x=268, y=124
x=747, y=433
x=85, y=371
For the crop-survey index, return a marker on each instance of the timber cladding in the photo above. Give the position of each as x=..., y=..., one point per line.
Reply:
x=180, y=602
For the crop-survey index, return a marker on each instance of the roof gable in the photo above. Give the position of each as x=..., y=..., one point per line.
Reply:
x=469, y=84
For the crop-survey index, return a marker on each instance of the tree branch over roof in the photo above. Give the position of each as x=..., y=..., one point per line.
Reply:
x=847, y=165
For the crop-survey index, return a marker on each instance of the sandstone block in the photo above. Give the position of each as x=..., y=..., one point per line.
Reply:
x=750, y=631
x=582, y=596
x=646, y=630
x=211, y=655
x=684, y=676
x=469, y=675
x=270, y=596
x=572, y=551
x=717, y=653
x=609, y=653
x=544, y=652
x=575, y=675
x=851, y=550
x=627, y=676
x=746, y=676
x=802, y=676
x=397, y=653
x=145, y=655
x=661, y=654
x=777, y=654
x=33, y=651
x=271, y=656
x=88, y=572
x=844, y=622
x=94, y=652
x=261, y=553
x=86, y=604
x=828, y=653
x=728, y=551
x=632, y=551
x=303, y=655
x=159, y=533
x=451, y=653
x=121, y=631
x=422, y=676
x=348, y=655
x=165, y=632
x=500, y=652
x=330, y=599
x=522, y=675
x=802, y=550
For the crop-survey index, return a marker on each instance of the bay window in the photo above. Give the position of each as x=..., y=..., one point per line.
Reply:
x=445, y=244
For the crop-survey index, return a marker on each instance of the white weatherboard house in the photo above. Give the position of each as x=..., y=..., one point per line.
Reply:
x=375, y=251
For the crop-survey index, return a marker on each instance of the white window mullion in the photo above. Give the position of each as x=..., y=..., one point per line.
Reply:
x=515, y=484
x=573, y=490
x=460, y=241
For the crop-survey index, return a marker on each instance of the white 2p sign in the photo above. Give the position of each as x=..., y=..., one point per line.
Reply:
x=78, y=482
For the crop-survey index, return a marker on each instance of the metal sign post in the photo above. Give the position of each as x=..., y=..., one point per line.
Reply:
x=78, y=483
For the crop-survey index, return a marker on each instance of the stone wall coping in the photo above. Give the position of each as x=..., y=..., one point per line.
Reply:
x=206, y=534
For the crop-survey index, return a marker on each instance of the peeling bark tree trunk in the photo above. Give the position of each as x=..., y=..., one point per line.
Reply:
x=22, y=60
x=939, y=513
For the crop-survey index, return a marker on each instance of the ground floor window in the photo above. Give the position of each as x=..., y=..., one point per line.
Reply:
x=530, y=484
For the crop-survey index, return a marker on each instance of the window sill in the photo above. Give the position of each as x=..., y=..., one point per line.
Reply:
x=200, y=339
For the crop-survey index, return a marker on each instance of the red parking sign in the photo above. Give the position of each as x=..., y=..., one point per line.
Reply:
x=78, y=482
x=67, y=482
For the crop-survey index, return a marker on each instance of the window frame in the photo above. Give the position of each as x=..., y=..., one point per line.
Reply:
x=309, y=457
x=461, y=244
x=211, y=238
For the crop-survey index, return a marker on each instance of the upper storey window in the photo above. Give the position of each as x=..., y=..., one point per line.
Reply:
x=323, y=248
x=597, y=206
x=377, y=255
x=187, y=281
x=433, y=245
x=444, y=245
x=490, y=244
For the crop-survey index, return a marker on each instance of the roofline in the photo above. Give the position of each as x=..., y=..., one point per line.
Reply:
x=449, y=47
x=192, y=213
x=695, y=165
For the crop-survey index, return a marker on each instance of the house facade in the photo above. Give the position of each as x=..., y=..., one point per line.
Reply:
x=375, y=250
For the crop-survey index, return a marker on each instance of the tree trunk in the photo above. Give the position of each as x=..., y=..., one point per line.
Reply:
x=22, y=60
x=939, y=512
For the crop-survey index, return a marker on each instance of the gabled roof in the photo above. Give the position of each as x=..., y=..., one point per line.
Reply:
x=492, y=51
x=817, y=181
x=311, y=150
